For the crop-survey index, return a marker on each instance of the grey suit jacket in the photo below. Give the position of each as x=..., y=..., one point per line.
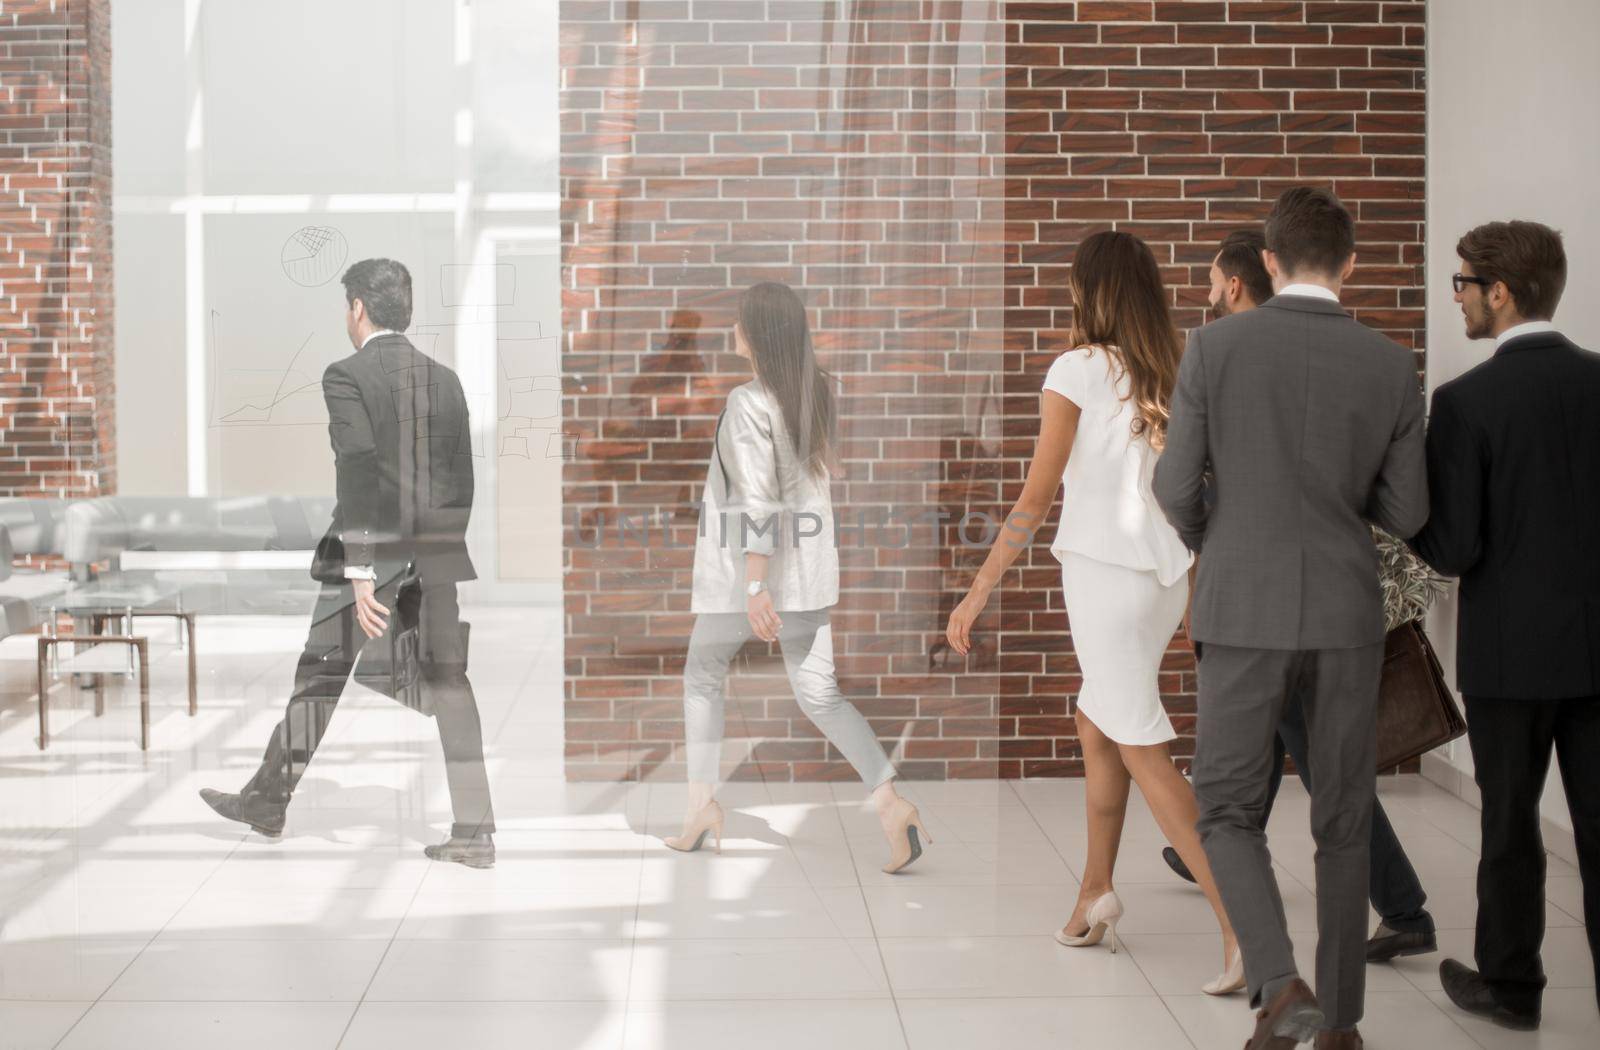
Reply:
x=1310, y=426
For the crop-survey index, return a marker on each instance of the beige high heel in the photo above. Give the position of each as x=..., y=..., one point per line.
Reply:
x=707, y=821
x=1103, y=915
x=906, y=837
x=1230, y=980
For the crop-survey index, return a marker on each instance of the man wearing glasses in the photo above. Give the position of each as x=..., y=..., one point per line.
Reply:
x=1514, y=480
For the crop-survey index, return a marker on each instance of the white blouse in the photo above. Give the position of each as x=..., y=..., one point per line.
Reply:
x=1108, y=512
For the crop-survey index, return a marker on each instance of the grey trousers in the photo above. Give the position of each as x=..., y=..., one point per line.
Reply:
x=806, y=639
x=1242, y=697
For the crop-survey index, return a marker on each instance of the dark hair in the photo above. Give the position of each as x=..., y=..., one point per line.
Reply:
x=1240, y=257
x=1309, y=230
x=385, y=287
x=773, y=320
x=1526, y=256
x=1119, y=302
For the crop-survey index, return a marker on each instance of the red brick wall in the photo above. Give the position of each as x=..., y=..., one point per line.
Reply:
x=923, y=182
x=57, y=395
x=1178, y=122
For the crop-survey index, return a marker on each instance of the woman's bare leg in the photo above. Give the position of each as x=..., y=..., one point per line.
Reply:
x=1171, y=800
x=1106, y=797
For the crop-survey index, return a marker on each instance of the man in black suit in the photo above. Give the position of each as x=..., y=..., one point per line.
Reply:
x=397, y=420
x=1514, y=468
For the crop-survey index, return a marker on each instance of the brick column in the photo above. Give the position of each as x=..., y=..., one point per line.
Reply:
x=57, y=389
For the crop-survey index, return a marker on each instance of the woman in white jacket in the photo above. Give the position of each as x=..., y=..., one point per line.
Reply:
x=765, y=564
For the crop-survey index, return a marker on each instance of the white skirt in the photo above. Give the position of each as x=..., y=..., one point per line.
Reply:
x=1122, y=621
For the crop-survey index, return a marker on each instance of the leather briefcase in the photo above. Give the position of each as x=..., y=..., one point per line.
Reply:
x=1416, y=710
x=391, y=664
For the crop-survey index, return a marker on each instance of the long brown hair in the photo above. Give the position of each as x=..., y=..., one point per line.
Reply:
x=773, y=320
x=1119, y=302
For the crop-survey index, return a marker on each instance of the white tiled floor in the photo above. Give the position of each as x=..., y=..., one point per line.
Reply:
x=131, y=917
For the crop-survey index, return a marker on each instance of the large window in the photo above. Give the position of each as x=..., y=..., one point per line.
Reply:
x=256, y=159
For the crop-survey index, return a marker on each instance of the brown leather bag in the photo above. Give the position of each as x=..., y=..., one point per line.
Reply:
x=1416, y=711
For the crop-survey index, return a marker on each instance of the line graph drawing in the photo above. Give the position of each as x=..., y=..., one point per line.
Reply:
x=519, y=401
x=279, y=395
x=262, y=397
x=313, y=255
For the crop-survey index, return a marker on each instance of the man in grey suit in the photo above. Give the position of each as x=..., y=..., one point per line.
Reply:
x=1304, y=426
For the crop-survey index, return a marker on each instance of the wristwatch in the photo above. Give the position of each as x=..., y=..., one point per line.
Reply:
x=755, y=587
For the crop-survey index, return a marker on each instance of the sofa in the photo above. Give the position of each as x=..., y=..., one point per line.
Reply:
x=229, y=555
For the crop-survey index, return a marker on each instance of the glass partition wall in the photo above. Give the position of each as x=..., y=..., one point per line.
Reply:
x=850, y=152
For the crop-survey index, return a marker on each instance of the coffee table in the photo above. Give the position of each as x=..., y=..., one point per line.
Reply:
x=98, y=603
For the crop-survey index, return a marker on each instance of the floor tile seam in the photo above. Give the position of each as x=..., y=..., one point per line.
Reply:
x=505, y=719
x=872, y=929
x=151, y=940
x=422, y=878
x=612, y=1001
x=1077, y=876
x=1458, y=1020
x=639, y=895
x=837, y=809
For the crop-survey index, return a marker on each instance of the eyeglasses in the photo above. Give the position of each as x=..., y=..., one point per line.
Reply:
x=1459, y=281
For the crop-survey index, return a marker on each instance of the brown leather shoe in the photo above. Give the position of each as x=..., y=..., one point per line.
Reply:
x=1293, y=1017
x=1343, y=1039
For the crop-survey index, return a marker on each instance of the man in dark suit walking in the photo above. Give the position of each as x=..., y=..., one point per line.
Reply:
x=1514, y=472
x=398, y=423
x=1310, y=425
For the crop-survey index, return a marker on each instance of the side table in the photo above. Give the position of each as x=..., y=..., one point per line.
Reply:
x=97, y=603
x=140, y=646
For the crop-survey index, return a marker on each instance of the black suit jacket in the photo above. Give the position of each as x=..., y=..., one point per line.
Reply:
x=1514, y=472
x=403, y=457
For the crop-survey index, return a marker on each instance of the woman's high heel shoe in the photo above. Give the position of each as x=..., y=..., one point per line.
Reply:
x=1102, y=917
x=906, y=837
x=1230, y=980
x=707, y=821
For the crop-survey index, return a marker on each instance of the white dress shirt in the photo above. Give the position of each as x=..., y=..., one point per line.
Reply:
x=1525, y=328
x=1315, y=291
x=374, y=335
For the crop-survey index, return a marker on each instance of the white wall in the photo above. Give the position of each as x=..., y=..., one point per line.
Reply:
x=1512, y=91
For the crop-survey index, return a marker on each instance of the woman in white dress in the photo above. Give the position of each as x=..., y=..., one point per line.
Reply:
x=1124, y=570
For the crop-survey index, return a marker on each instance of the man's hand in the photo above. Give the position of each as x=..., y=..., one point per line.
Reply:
x=369, y=613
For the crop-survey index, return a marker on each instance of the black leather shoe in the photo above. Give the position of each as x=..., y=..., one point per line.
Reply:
x=474, y=852
x=1386, y=944
x=266, y=819
x=1468, y=990
x=1176, y=863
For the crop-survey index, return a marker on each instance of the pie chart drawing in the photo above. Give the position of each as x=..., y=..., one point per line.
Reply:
x=313, y=255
